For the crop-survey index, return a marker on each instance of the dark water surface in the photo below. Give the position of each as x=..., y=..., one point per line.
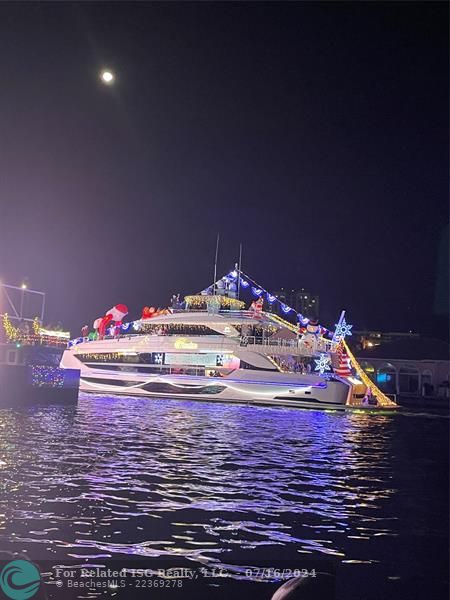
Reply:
x=229, y=487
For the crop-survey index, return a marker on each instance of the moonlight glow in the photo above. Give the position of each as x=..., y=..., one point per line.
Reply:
x=107, y=77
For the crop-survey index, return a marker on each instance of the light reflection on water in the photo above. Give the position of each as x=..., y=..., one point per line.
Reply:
x=221, y=485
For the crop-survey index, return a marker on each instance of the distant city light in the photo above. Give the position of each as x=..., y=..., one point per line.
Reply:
x=107, y=77
x=24, y=286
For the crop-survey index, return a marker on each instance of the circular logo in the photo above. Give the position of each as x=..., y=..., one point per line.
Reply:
x=20, y=579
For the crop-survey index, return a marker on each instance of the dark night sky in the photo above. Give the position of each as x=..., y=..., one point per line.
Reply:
x=316, y=134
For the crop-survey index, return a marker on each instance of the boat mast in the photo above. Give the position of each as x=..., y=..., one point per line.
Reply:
x=215, y=264
x=239, y=270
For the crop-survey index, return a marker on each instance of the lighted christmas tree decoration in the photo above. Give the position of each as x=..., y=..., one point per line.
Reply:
x=12, y=333
x=36, y=326
x=322, y=363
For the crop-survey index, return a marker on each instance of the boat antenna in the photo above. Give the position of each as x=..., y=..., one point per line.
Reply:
x=239, y=270
x=215, y=264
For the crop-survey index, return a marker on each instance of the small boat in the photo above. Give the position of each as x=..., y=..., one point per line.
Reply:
x=29, y=366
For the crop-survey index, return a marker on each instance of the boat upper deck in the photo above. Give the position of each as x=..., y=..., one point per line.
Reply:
x=203, y=317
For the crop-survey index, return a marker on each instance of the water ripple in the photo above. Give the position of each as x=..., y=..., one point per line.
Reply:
x=154, y=478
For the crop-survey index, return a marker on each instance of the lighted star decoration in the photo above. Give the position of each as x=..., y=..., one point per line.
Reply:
x=158, y=359
x=343, y=329
x=322, y=363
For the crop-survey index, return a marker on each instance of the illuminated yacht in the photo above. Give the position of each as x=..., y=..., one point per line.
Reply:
x=212, y=349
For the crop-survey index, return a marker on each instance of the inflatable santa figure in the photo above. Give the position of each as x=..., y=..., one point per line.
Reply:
x=104, y=322
x=117, y=312
x=114, y=314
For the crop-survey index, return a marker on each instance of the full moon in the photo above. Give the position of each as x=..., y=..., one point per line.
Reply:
x=107, y=77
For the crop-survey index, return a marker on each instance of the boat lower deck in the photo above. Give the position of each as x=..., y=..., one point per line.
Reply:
x=309, y=403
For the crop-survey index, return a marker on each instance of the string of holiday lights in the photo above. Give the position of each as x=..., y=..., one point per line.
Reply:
x=258, y=291
x=239, y=279
x=278, y=366
x=202, y=301
x=15, y=334
x=104, y=356
x=46, y=376
x=36, y=326
x=382, y=399
x=12, y=333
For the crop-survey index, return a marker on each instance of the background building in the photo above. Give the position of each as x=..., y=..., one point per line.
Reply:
x=302, y=301
x=361, y=340
x=408, y=365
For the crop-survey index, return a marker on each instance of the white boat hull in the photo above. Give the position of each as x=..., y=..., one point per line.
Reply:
x=242, y=386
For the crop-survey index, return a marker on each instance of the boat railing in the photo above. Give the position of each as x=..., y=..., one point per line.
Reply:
x=298, y=346
x=303, y=346
x=26, y=339
x=251, y=340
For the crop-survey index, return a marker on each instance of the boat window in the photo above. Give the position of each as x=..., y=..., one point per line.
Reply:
x=386, y=378
x=246, y=365
x=167, y=388
x=427, y=376
x=164, y=370
x=109, y=357
x=115, y=382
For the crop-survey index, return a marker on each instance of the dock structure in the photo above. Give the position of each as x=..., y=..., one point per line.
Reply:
x=30, y=355
x=415, y=369
x=31, y=374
